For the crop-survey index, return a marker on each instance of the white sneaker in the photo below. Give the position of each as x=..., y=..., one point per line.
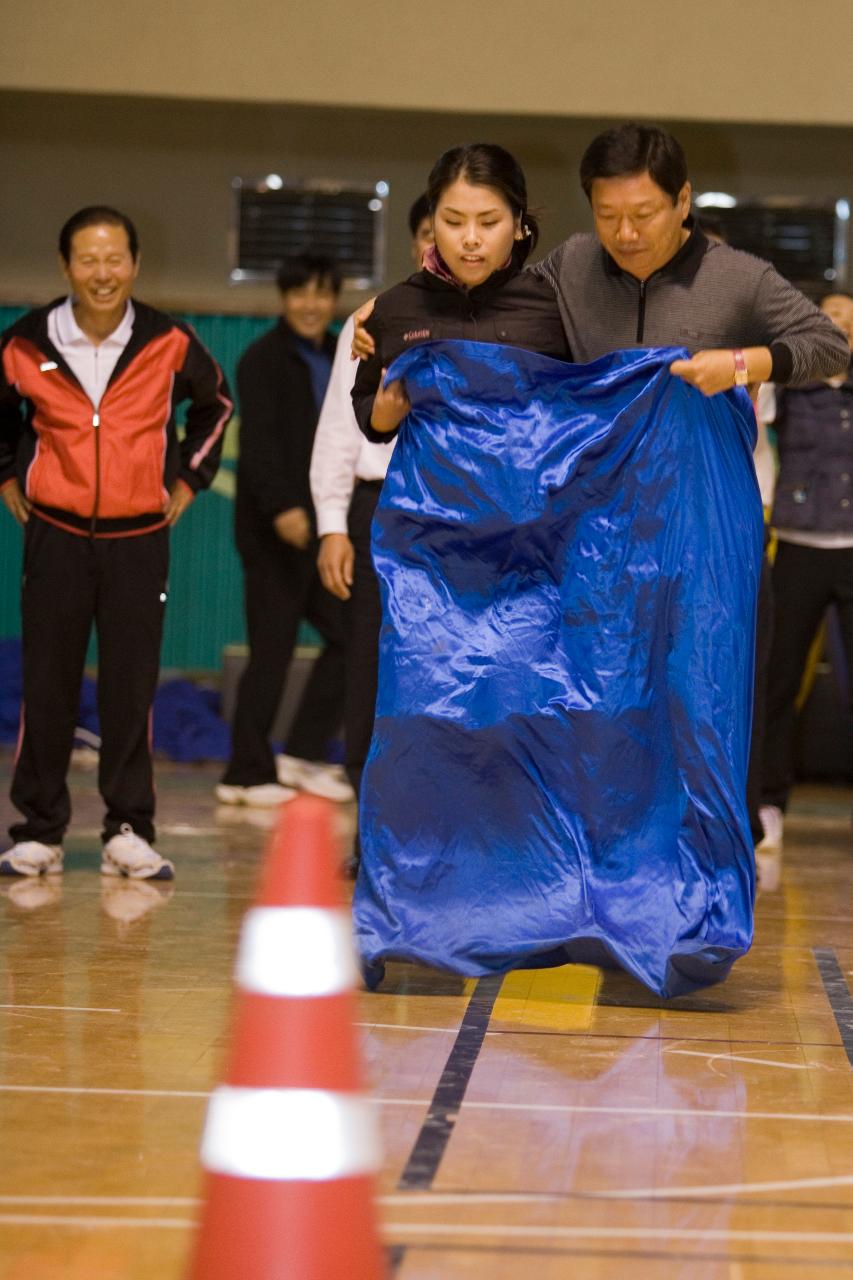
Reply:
x=31, y=858
x=127, y=854
x=773, y=822
x=266, y=795
x=317, y=778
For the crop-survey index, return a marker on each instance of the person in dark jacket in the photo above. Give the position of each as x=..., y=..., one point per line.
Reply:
x=472, y=285
x=92, y=466
x=281, y=381
x=813, y=519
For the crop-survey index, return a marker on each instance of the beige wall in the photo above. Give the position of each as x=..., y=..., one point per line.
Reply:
x=170, y=163
x=758, y=60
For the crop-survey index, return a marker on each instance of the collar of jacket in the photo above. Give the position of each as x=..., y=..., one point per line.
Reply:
x=481, y=292
x=291, y=339
x=683, y=265
x=148, y=323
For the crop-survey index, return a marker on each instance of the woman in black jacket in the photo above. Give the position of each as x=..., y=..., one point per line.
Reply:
x=471, y=286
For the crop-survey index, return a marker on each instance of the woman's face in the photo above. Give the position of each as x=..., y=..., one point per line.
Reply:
x=474, y=230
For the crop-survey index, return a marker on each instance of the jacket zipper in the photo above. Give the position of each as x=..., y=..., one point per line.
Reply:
x=641, y=311
x=96, y=422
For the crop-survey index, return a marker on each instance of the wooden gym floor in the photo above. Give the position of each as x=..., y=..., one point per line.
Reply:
x=558, y=1123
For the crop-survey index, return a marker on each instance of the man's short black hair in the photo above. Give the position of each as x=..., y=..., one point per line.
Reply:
x=303, y=267
x=96, y=215
x=417, y=213
x=635, y=148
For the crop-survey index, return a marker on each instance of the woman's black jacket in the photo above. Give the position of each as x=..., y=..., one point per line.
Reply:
x=513, y=307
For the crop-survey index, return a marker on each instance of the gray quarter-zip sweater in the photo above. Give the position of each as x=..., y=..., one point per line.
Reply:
x=708, y=295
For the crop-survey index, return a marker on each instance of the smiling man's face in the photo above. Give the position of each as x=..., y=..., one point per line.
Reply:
x=101, y=271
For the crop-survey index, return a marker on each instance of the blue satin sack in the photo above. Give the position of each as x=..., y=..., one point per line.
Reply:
x=568, y=557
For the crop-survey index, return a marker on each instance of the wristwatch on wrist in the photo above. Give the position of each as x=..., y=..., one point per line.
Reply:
x=741, y=371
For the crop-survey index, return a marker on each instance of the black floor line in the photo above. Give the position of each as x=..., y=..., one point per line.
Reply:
x=838, y=994
x=431, y=1143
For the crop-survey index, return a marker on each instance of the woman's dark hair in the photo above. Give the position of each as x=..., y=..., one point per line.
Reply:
x=484, y=164
x=96, y=215
x=635, y=148
x=417, y=213
x=303, y=267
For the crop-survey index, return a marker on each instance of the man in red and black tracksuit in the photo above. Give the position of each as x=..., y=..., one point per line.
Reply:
x=92, y=466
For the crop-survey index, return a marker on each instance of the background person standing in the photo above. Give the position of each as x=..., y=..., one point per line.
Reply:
x=282, y=380
x=91, y=464
x=813, y=519
x=346, y=480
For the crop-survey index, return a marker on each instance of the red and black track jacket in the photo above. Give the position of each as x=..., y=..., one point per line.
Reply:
x=108, y=472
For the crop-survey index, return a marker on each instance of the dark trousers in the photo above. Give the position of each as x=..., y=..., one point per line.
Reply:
x=763, y=646
x=71, y=581
x=363, y=618
x=806, y=580
x=282, y=587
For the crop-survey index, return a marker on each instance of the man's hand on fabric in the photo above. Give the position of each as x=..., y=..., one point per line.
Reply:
x=714, y=371
x=708, y=371
x=390, y=406
x=335, y=564
x=363, y=346
x=293, y=527
x=19, y=506
x=180, y=497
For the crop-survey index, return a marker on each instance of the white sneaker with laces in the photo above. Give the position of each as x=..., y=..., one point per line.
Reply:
x=266, y=795
x=31, y=858
x=773, y=822
x=127, y=854
x=315, y=777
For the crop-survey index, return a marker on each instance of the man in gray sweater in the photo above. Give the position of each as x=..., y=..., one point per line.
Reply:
x=649, y=277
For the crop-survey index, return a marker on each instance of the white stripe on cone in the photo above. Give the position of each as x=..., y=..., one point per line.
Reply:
x=296, y=951
x=290, y=1134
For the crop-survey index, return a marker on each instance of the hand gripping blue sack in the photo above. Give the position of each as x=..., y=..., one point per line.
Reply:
x=568, y=559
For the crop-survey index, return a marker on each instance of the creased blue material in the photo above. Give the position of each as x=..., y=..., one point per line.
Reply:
x=569, y=558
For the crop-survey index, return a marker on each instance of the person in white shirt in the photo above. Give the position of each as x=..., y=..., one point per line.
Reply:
x=346, y=479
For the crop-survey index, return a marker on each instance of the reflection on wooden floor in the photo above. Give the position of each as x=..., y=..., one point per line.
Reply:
x=603, y=1134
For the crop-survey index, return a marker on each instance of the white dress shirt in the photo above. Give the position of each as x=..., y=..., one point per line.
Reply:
x=91, y=365
x=342, y=455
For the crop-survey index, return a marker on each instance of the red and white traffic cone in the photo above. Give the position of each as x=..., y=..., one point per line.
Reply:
x=290, y=1143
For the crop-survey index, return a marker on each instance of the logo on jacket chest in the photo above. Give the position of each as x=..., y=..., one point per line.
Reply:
x=416, y=335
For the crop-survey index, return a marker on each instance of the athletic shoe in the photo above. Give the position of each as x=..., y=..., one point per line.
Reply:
x=266, y=795
x=773, y=822
x=315, y=777
x=127, y=854
x=31, y=858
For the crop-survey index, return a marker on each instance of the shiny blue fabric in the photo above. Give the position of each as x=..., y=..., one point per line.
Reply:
x=568, y=558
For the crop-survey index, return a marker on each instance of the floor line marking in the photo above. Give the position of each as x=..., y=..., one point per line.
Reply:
x=93, y=1089
x=640, y=1112
x=431, y=1143
x=618, y=1233
x=734, y=1057
x=72, y=1220
x=106, y=1201
x=643, y=1113
x=405, y=1026
x=64, y=1008
x=635, y=1193
x=727, y=1188
x=838, y=995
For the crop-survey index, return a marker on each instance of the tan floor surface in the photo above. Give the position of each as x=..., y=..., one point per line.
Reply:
x=604, y=1134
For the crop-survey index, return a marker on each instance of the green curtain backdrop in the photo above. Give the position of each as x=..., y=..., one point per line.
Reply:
x=205, y=610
